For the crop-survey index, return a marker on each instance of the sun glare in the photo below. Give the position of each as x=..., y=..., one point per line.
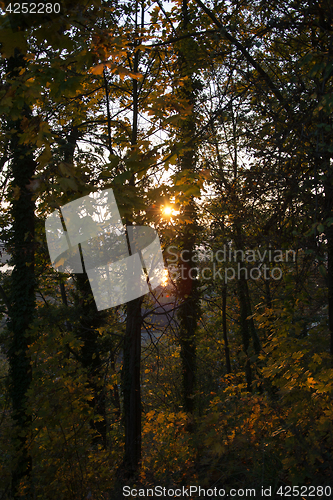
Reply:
x=165, y=277
x=167, y=210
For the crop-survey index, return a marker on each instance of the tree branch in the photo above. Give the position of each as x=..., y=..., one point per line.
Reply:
x=246, y=54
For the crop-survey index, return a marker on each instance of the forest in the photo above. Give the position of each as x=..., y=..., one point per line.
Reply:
x=210, y=122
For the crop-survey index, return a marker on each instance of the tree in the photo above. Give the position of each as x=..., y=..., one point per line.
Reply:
x=188, y=314
x=22, y=299
x=234, y=98
x=278, y=95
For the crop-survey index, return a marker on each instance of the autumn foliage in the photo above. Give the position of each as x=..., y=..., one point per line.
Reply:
x=223, y=375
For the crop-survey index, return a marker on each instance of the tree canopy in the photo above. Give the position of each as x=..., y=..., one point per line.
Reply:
x=212, y=123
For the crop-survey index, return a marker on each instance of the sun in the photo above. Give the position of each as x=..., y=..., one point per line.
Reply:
x=167, y=211
x=165, y=277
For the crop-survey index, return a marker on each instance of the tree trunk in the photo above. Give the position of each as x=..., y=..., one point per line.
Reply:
x=245, y=330
x=22, y=285
x=187, y=284
x=90, y=356
x=224, y=326
x=132, y=342
x=188, y=312
x=90, y=320
x=328, y=187
x=132, y=387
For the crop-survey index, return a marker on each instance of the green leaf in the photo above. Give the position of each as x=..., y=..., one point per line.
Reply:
x=11, y=41
x=323, y=270
x=68, y=184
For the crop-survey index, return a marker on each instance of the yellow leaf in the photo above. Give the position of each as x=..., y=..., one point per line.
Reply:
x=59, y=262
x=97, y=70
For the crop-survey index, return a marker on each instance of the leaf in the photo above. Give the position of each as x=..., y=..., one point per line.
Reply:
x=173, y=120
x=121, y=178
x=11, y=40
x=59, y=262
x=119, y=70
x=97, y=70
x=66, y=168
x=169, y=160
x=310, y=382
x=323, y=270
x=193, y=190
x=68, y=184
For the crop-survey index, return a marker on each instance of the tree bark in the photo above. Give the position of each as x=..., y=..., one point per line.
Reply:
x=188, y=312
x=328, y=190
x=132, y=387
x=22, y=297
x=90, y=356
x=187, y=285
x=224, y=327
x=244, y=325
x=132, y=342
